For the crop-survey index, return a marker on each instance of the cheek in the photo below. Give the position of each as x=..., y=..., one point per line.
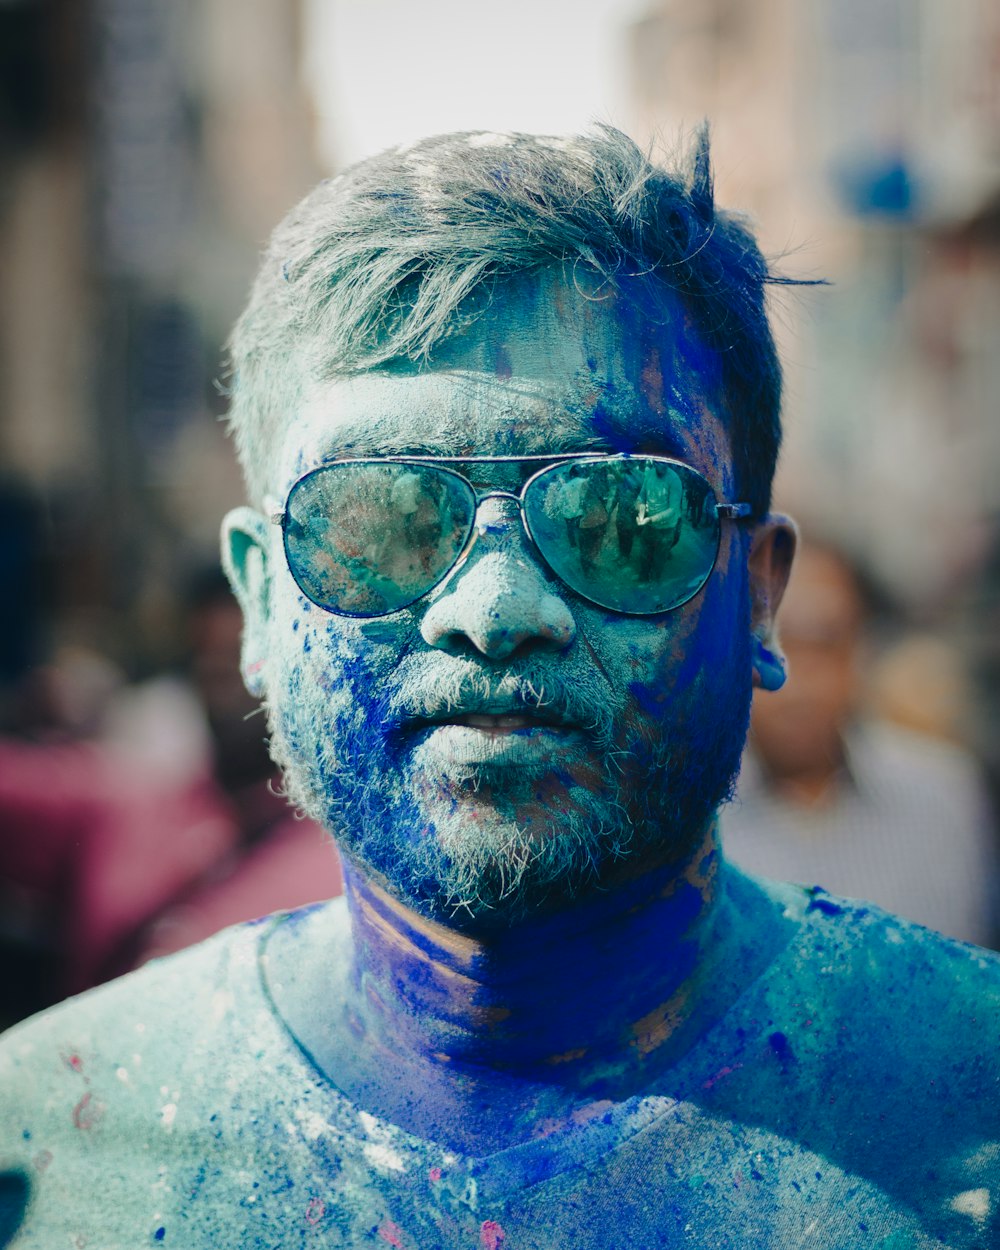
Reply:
x=327, y=668
x=687, y=659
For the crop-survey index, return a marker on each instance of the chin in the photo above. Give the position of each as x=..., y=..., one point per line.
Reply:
x=465, y=850
x=483, y=857
x=484, y=868
x=489, y=868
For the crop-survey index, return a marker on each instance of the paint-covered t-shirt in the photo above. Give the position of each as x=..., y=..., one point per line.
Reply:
x=849, y=1098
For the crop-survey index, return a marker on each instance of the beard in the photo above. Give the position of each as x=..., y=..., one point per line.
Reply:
x=481, y=847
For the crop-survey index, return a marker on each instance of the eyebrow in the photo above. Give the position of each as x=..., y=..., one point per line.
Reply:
x=667, y=443
x=362, y=447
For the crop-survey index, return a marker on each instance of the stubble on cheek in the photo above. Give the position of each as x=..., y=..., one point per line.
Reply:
x=323, y=710
x=689, y=709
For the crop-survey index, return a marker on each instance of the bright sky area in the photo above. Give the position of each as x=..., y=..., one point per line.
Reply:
x=391, y=71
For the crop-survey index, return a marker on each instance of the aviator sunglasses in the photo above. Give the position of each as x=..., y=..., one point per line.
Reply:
x=634, y=534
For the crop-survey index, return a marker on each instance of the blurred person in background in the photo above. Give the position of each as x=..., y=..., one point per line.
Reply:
x=135, y=820
x=275, y=858
x=832, y=794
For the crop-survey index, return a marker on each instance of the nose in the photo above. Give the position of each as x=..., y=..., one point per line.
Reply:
x=498, y=602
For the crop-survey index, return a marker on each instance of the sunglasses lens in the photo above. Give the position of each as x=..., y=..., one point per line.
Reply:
x=367, y=539
x=636, y=535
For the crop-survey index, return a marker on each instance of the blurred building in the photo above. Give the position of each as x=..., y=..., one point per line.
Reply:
x=146, y=149
x=863, y=136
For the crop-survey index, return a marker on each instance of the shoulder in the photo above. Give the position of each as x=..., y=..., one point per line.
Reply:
x=875, y=1043
x=86, y=1087
x=858, y=952
x=137, y=1010
x=903, y=1022
x=120, y=1048
x=164, y=1014
x=112, y=1098
x=172, y=1015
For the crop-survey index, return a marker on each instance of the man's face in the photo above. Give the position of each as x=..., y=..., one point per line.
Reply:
x=503, y=745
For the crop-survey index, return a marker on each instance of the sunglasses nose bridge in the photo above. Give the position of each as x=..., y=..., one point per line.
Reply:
x=496, y=518
x=497, y=600
x=497, y=513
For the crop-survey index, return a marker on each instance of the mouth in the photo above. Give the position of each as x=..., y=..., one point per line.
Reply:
x=496, y=722
x=499, y=723
x=495, y=738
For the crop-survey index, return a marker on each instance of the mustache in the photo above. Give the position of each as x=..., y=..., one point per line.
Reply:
x=432, y=690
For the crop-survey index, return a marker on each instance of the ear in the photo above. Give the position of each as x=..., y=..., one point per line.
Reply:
x=244, y=558
x=772, y=549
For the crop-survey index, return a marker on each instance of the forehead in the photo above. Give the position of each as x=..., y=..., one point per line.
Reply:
x=548, y=365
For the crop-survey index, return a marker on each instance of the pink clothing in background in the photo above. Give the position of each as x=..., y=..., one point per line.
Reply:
x=119, y=866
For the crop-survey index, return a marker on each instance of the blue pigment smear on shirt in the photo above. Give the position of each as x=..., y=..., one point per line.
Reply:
x=852, y=1084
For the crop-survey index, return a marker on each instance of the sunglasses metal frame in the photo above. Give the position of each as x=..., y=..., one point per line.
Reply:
x=740, y=511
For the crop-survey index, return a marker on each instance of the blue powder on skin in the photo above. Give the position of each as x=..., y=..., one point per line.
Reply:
x=819, y=901
x=649, y=698
x=606, y=427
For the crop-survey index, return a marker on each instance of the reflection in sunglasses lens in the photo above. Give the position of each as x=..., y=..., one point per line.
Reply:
x=635, y=535
x=367, y=539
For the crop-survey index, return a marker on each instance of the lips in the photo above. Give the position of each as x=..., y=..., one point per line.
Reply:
x=504, y=722
x=464, y=703
x=476, y=744
x=496, y=722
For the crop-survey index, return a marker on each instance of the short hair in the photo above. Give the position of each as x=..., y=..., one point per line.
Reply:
x=379, y=264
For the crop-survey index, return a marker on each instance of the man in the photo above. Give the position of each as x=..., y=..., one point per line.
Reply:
x=547, y=1014
x=831, y=793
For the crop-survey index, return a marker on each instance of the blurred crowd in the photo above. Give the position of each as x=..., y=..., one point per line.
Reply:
x=139, y=817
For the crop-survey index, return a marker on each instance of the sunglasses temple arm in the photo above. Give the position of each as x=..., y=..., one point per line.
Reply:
x=273, y=510
x=734, y=511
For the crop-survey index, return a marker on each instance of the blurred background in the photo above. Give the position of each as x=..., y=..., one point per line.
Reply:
x=147, y=147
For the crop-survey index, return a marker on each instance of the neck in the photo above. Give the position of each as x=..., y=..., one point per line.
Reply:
x=607, y=981
x=427, y=1027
